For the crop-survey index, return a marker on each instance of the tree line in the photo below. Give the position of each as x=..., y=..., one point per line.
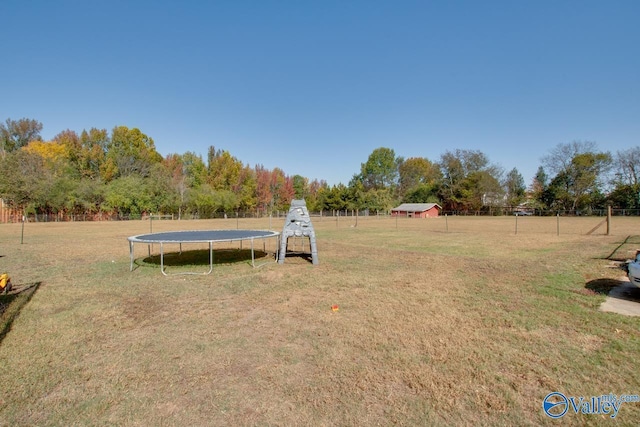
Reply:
x=121, y=173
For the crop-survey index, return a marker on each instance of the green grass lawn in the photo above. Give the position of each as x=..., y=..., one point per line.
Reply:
x=463, y=322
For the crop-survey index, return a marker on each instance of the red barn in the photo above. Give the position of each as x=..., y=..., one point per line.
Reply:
x=417, y=210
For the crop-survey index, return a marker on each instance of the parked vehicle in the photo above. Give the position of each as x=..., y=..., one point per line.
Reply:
x=633, y=270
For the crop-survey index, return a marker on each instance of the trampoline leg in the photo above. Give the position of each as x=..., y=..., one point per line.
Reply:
x=162, y=259
x=187, y=273
x=131, y=255
x=210, y=258
x=253, y=262
x=264, y=247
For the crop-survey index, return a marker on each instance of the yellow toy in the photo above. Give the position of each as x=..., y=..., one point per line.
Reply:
x=5, y=283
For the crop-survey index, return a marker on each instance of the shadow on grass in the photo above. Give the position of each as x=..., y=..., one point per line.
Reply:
x=619, y=289
x=625, y=250
x=603, y=286
x=201, y=257
x=304, y=256
x=12, y=304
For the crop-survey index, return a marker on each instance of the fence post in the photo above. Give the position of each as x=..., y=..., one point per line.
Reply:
x=558, y=223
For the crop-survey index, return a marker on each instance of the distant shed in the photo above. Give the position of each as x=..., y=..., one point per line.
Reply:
x=417, y=210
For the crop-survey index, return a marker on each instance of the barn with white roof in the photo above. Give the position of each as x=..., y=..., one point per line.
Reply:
x=417, y=210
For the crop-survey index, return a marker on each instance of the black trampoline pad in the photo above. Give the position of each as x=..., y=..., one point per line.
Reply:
x=196, y=236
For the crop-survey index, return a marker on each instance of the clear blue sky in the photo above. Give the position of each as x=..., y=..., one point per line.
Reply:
x=313, y=87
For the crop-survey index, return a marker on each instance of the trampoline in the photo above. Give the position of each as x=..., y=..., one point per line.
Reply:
x=200, y=236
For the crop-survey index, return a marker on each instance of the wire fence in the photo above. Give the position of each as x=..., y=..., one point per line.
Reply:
x=104, y=216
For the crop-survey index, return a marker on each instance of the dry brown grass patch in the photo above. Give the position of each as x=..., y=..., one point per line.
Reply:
x=470, y=327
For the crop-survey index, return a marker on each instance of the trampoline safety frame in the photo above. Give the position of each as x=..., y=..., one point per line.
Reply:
x=201, y=236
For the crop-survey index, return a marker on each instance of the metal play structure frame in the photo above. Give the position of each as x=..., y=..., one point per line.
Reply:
x=201, y=236
x=298, y=224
